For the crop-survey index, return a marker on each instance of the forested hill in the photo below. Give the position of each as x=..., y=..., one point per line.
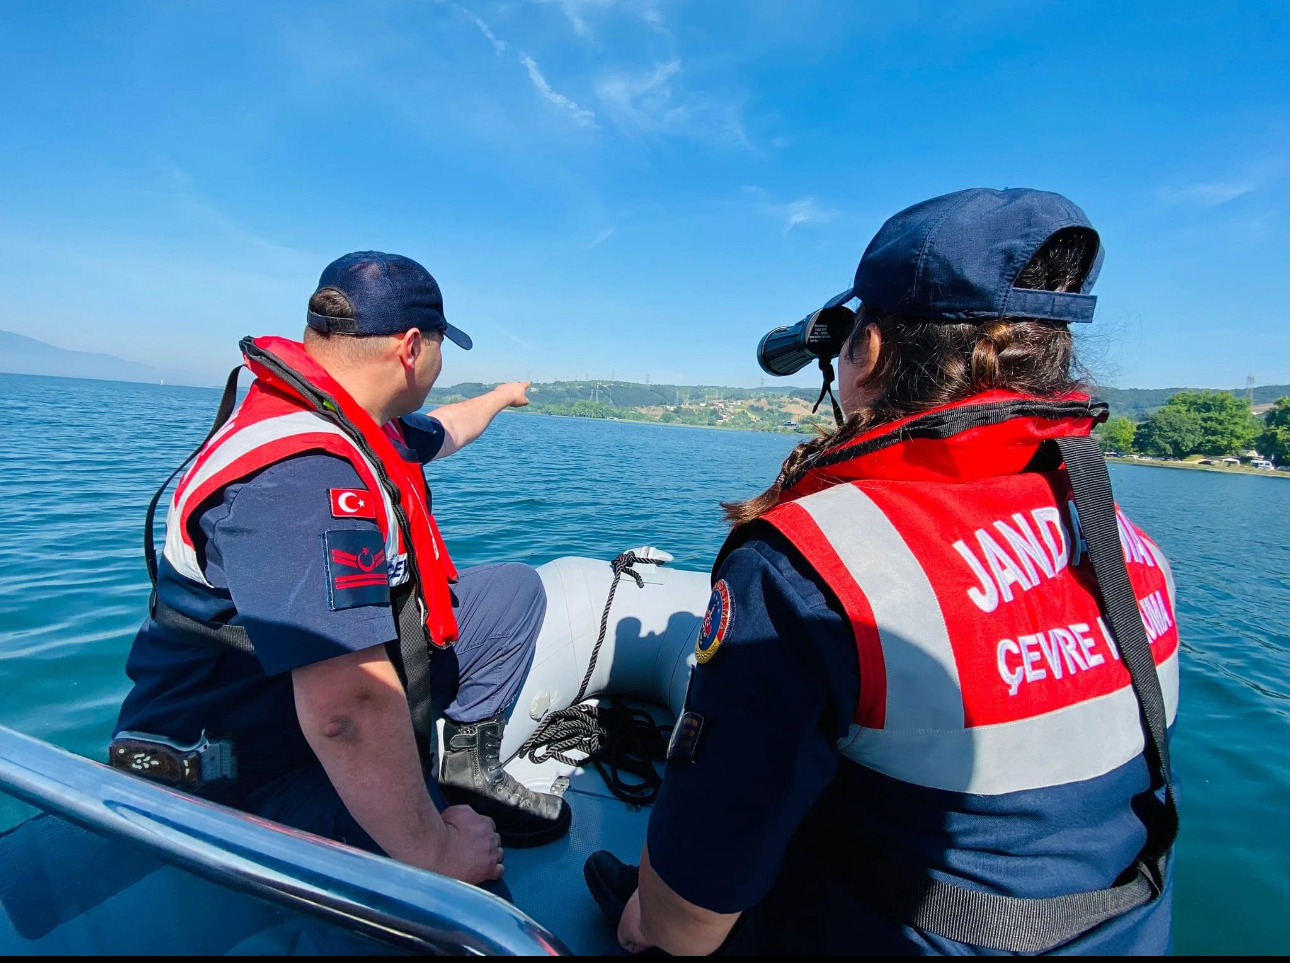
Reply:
x=625, y=394
x=1137, y=403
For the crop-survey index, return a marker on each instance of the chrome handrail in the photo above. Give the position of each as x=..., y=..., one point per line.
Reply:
x=389, y=901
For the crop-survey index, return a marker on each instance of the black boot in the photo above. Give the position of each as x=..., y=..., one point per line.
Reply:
x=472, y=774
x=611, y=881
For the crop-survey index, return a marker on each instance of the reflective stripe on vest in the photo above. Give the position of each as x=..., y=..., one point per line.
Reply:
x=237, y=444
x=911, y=725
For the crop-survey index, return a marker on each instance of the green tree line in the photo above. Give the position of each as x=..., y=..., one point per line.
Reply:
x=1202, y=423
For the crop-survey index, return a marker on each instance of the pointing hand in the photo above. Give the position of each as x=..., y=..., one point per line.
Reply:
x=513, y=393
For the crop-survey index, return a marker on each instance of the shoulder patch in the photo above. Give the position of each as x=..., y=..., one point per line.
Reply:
x=352, y=503
x=716, y=623
x=357, y=570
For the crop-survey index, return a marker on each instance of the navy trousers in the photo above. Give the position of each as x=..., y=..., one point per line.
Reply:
x=499, y=610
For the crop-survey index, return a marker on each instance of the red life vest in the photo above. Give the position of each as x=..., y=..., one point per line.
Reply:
x=986, y=663
x=295, y=406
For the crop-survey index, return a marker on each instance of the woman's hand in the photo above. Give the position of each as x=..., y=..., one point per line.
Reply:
x=630, y=937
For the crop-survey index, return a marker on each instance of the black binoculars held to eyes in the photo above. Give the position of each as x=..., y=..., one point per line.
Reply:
x=818, y=337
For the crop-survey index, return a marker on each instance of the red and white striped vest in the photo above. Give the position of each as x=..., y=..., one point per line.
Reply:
x=279, y=418
x=986, y=664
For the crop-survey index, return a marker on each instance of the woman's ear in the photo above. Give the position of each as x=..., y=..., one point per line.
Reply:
x=856, y=365
x=865, y=349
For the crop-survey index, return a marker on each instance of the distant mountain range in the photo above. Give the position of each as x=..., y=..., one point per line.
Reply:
x=22, y=355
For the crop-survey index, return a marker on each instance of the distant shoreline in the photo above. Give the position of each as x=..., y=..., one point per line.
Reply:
x=1193, y=466
x=661, y=424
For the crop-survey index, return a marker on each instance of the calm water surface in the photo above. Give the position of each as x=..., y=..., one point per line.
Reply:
x=79, y=460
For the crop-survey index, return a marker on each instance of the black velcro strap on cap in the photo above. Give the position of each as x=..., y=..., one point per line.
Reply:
x=226, y=404
x=1022, y=925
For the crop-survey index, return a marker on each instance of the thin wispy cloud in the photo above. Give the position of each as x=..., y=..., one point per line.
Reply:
x=657, y=102
x=1206, y=194
x=578, y=12
x=601, y=238
x=181, y=187
x=512, y=336
x=485, y=29
x=803, y=211
x=644, y=100
x=581, y=115
x=172, y=171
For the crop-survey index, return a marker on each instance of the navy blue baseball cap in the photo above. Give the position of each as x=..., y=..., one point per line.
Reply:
x=956, y=257
x=389, y=293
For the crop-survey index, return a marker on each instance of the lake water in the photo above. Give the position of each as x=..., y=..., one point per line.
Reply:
x=79, y=460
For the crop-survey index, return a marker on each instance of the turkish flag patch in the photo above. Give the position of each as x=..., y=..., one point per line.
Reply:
x=352, y=503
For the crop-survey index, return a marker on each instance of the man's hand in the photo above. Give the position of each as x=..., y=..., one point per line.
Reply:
x=514, y=393
x=354, y=715
x=472, y=849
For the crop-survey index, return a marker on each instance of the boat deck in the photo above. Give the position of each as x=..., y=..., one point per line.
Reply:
x=71, y=890
x=547, y=881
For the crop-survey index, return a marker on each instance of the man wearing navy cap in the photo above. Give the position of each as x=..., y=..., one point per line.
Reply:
x=308, y=626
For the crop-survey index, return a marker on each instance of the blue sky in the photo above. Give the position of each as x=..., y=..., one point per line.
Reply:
x=635, y=187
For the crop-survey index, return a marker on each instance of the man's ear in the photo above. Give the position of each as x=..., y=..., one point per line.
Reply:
x=409, y=347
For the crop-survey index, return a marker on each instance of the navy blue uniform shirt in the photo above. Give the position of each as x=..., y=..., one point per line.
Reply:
x=768, y=819
x=267, y=545
x=775, y=698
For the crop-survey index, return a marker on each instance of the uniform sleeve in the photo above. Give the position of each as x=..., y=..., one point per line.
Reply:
x=424, y=435
x=773, y=700
x=307, y=587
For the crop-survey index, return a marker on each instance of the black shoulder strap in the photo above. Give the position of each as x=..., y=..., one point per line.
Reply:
x=226, y=403
x=1037, y=925
x=1093, y=500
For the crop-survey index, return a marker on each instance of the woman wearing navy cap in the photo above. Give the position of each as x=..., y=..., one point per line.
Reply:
x=939, y=668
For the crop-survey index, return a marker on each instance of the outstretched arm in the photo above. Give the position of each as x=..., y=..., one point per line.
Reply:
x=464, y=421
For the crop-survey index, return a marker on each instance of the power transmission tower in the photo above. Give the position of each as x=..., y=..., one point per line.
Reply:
x=1249, y=388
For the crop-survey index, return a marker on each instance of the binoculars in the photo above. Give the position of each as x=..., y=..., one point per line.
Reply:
x=820, y=336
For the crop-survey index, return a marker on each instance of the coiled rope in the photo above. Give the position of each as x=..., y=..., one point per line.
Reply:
x=614, y=738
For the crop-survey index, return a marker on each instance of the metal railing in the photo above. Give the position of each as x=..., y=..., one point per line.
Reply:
x=397, y=904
